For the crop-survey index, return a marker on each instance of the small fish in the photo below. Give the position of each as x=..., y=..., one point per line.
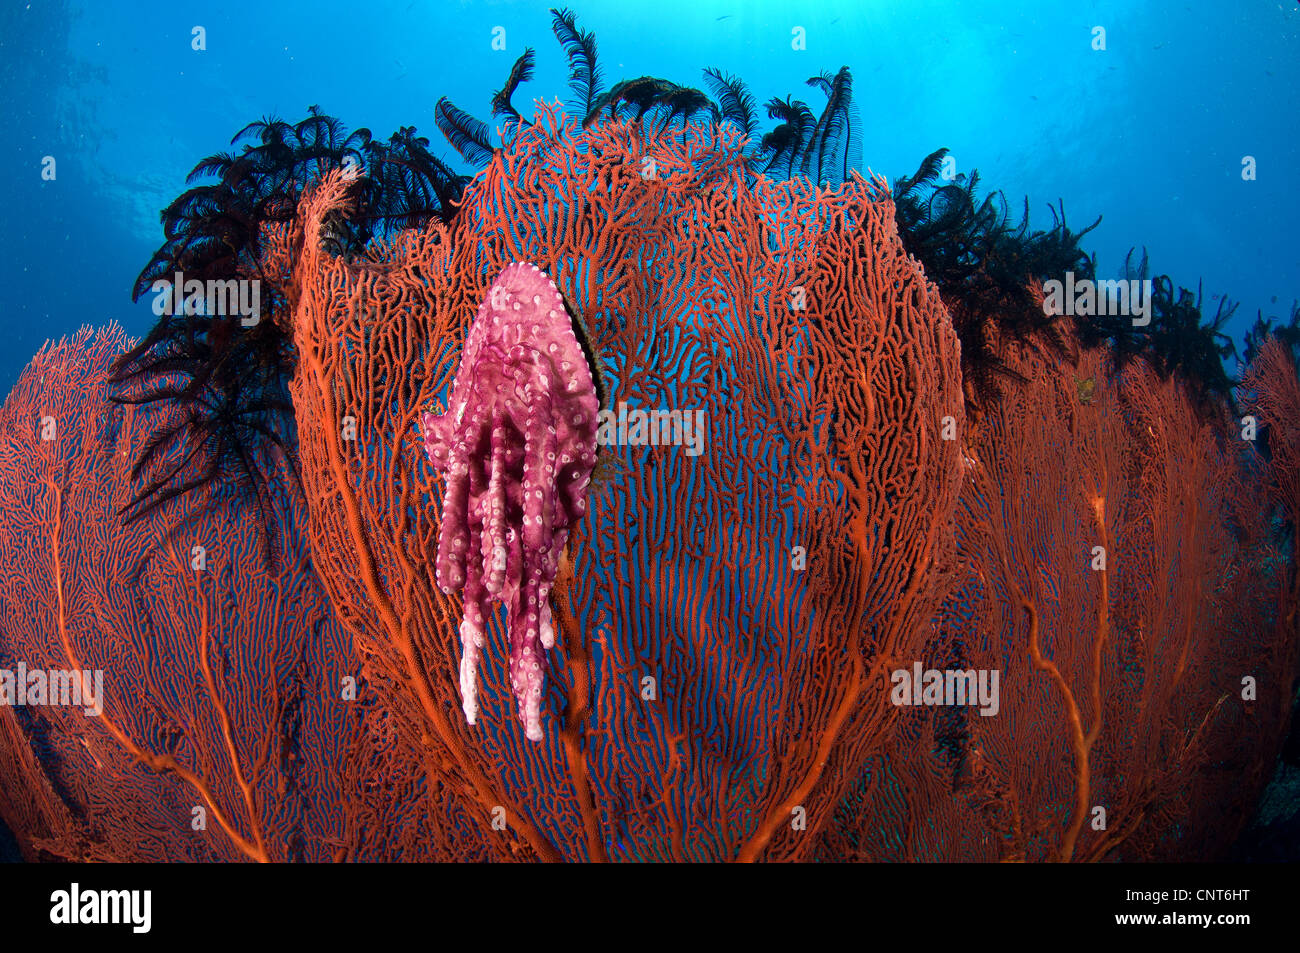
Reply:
x=1087, y=388
x=609, y=470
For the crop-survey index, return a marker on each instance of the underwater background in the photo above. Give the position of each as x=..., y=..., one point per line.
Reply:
x=1150, y=135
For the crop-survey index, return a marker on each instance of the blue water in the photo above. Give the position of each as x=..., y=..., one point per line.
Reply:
x=1150, y=133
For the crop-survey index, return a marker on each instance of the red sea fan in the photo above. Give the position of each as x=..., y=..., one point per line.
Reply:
x=727, y=608
x=222, y=732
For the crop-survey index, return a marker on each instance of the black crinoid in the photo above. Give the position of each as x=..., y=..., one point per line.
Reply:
x=1183, y=344
x=659, y=103
x=1288, y=335
x=1177, y=339
x=1264, y=328
x=986, y=267
x=222, y=369
x=823, y=148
